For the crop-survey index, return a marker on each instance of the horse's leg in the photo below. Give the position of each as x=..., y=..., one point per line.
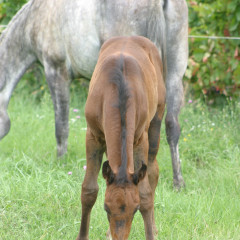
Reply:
x=176, y=14
x=145, y=191
x=94, y=153
x=58, y=80
x=153, y=169
x=14, y=61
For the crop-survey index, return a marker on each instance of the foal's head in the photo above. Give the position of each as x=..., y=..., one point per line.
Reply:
x=121, y=200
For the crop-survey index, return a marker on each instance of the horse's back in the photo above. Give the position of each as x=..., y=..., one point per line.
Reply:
x=71, y=32
x=75, y=31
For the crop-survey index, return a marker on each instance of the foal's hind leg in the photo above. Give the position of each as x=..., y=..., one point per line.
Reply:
x=58, y=81
x=94, y=152
x=153, y=169
x=176, y=14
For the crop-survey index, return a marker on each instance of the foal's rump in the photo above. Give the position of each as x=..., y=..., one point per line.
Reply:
x=143, y=68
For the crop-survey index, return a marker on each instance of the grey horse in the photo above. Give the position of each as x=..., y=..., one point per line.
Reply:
x=66, y=36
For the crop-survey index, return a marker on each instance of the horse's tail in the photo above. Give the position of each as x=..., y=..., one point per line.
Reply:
x=156, y=30
x=123, y=95
x=165, y=2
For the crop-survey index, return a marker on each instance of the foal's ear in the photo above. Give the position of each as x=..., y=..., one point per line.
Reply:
x=140, y=174
x=107, y=172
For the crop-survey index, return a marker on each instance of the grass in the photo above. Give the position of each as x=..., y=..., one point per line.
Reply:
x=39, y=199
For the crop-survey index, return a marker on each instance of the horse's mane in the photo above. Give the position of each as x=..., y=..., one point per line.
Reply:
x=15, y=19
x=118, y=79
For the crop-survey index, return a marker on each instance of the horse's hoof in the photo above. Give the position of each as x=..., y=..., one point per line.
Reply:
x=61, y=151
x=4, y=124
x=178, y=184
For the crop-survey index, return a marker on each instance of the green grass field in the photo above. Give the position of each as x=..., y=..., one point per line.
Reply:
x=40, y=199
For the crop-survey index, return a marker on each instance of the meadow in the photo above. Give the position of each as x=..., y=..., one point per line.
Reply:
x=40, y=194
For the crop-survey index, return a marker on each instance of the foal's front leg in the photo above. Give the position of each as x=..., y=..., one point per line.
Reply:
x=94, y=152
x=58, y=82
x=146, y=207
x=146, y=192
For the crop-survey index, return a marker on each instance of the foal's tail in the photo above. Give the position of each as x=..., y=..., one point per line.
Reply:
x=119, y=80
x=156, y=30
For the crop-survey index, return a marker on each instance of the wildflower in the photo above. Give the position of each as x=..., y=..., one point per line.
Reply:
x=189, y=135
x=39, y=116
x=193, y=127
x=69, y=173
x=211, y=129
x=184, y=139
x=189, y=101
x=73, y=120
x=78, y=117
x=75, y=110
x=84, y=167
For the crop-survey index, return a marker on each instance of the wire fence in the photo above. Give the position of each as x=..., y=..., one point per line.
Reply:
x=191, y=36
x=214, y=37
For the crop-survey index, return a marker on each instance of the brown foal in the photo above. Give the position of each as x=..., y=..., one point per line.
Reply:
x=124, y=110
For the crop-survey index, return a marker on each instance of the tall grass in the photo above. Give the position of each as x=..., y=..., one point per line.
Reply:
x=40, y=194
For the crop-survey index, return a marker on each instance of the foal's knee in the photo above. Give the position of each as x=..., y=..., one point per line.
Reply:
x=172, y=128
x=146, y=199
x=89, y=196
x=153, y=175
x=4, y=124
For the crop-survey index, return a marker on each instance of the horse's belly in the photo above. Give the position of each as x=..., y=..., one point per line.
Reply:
x=81, y=36
x=83, y=56
x=124, y=18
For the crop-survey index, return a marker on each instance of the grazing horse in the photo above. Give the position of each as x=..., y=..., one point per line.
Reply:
x=124, y=110
x=65, y=36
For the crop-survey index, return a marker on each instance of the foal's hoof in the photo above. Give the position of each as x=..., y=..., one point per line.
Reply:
x=155, y=231
x=108, y=235
x=178, y=184
x=79, y=238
